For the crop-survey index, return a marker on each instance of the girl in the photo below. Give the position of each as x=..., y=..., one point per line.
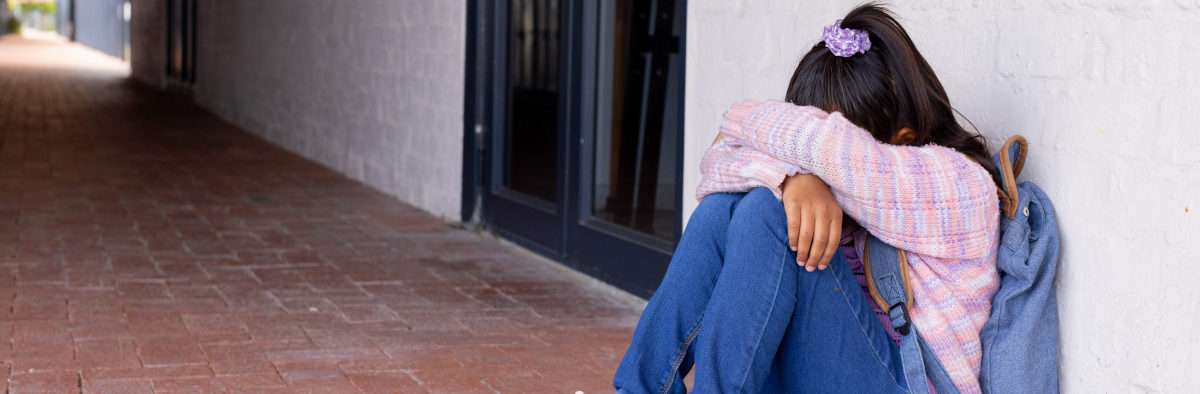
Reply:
x=867, y=129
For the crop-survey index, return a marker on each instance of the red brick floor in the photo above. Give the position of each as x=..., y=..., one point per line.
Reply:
x=149, y=247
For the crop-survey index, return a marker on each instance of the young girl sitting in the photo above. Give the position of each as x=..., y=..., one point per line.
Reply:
x=868, y=130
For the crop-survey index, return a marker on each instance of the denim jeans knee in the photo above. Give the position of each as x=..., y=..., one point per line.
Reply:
x=759, y=210
x=714, y=210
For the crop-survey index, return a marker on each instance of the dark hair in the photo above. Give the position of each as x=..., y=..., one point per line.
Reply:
x=885, y=89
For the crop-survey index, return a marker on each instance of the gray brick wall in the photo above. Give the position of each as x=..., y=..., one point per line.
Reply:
x=373, y=89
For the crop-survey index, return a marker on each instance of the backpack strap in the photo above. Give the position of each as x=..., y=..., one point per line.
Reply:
x=886, y=271
x=1010, y=161
x=888, y=284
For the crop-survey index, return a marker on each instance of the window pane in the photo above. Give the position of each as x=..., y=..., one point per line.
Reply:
x=638, y=104
x=531, y=141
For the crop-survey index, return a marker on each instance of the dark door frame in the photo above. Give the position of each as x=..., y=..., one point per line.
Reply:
x=71, y=18
x=623, y=257
x=180, y=77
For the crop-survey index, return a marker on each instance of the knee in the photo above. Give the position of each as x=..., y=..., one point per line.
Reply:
x=761, y=203
x=760, y=214
x=764, y=196
x=714, y=210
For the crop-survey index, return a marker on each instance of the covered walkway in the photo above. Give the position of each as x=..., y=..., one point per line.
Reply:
x=147, y=246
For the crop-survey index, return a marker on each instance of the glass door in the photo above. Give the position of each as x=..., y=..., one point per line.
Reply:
x=579, y=124
x=628, y=219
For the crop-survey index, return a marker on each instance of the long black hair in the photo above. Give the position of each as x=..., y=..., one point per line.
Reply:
x=885, y=89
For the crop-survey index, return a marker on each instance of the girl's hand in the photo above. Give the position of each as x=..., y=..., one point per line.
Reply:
x=814, y=220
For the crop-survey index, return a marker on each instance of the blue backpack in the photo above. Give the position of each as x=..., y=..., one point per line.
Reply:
x=1020, y=338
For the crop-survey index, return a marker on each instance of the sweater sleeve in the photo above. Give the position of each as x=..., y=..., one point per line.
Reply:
x=728, y=166
x=928, y=199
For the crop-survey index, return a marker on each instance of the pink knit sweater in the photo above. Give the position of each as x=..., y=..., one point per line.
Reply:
x=930, y=200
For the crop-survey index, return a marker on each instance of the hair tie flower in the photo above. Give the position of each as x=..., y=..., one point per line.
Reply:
x=845, y=42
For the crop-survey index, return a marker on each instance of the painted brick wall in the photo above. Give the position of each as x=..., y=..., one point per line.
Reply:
x=1103, y=90
x=147, y=41
x=373, y=89
x=100, y=24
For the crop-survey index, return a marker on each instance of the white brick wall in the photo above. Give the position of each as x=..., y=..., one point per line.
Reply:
x=373, y=89
x=1106, y=92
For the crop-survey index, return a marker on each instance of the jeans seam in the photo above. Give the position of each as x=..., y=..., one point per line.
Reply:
x=766, y=322
x=850, y=308
x=682, y=353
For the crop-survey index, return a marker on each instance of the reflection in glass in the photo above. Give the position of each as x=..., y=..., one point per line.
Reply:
x=531, y=141
x=638, y=102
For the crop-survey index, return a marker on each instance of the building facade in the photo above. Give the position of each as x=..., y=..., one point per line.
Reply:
x=575, y=128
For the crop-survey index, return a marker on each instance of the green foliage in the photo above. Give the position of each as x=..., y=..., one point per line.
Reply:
x=45, y=8
x=14, y=25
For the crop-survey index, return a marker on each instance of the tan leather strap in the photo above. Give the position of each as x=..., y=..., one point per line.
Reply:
x=866, y=260
x=1009, y=170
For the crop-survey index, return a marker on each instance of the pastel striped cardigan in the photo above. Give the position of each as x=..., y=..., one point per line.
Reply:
x=930, y=200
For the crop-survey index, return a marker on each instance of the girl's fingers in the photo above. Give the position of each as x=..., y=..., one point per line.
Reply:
x=792, y=211
x=820, y=238
x=835, y=231
x=804, y=237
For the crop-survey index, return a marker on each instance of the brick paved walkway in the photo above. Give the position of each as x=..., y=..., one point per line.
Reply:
x=149, y=247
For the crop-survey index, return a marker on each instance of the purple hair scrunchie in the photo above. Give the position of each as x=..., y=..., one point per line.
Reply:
x=845, y=42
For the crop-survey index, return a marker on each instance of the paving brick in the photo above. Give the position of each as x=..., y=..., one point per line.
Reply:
x=219, y=383
x=331, y=355
x=118, y=386
x=102, y=327
x=107, y=353
x=311, y=388
x=302, y=305
x=310, y=372
x=383, y=382
x=147, y=372
x=491, y=297
x=228, y=359
x=360, y=313
x=214, y=324
x=182, y=271
x=431, y=320
x=161, y=351
x=38, y=333
x=473, y=357
x=408, y=358
x=337, y=338
x=46, y=382
x=451, y=381
x=152, y=322
x=39, y=311
x=42, y=358
x=282, y=329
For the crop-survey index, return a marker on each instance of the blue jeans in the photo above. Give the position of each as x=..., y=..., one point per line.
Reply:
x=768, y=326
